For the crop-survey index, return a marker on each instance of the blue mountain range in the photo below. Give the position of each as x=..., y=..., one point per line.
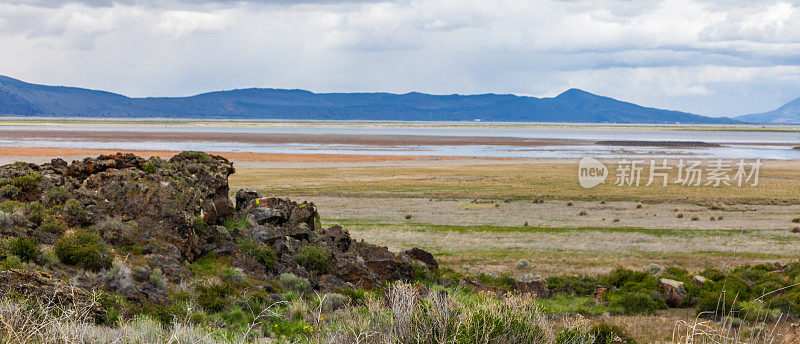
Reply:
x=18, y=98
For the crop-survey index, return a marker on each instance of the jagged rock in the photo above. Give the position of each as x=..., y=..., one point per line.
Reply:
x=422, y=256
x=355, y=272
x=384, y=263
x=339, y=237
x=672, y=291
x=332, y=283
x=699, y=280
x=244, y=196
x=266, y=234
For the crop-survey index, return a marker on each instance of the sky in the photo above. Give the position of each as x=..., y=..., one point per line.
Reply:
x=717, y=58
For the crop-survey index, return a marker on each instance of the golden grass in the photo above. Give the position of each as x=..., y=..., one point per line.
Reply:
x=779, y=183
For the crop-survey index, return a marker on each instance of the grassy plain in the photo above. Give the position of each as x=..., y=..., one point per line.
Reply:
x=473, y=217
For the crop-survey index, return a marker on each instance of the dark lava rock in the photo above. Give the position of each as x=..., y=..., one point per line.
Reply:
x=422, y=256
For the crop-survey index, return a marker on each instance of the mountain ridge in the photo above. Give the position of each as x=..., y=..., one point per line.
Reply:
x=19, y=98
x=788, y=113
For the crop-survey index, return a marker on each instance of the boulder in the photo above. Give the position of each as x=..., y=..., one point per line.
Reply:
x=422, y=256
x=699, y=280
x=672, y=291
x=332, y=283
x=537, y=287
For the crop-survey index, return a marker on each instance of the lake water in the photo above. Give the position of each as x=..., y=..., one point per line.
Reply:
x=736, y=144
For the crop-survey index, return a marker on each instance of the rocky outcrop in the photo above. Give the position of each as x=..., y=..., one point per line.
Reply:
x=174, y=203
x=288, y=227
x=672, y=291
x=160, y=215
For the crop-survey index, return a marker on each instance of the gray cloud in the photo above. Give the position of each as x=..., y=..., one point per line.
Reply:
x=712, y=57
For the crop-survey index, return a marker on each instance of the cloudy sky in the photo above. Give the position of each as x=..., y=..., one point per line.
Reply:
x=716, y=57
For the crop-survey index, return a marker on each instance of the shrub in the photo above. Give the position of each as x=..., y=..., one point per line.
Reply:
x=523, y=264
x=796, y=220
x=53, y=225
x=120, y=233
x=25, y=183
x=680, y=215
x=313, y=258
x=654, y=269
x=34, y=211
x=715, y=305
x=695, y=218
x=605, y=333
x=292, y=282
x=583, y=213
x=214, y=298
x=574, y=335
x=149, y=168
x=796, y=230
x=259, y=252
x=74, y=213
x=581, y=285
x=85, y=249
x=10, y=192
x=635, y=302
x=57, y=195
x=25, y=249
x=11, y=262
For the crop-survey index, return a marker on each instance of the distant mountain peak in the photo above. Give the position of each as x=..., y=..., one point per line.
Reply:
x=572, y=92
x=788, y=113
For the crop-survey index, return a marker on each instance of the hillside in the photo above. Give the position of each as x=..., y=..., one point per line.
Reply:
x=19, y=98
x=786, y=114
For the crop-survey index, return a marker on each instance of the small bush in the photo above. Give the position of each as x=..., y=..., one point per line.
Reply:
x=635, y=302
x=796, y=230
x=85, y=249
x=214, y=298
x=408, y=216
x=680, y=215
x=796, y=220
x=605, y=333
x=570, y=203
x=149, y=168
x=53, y=225
x=523, y=264
x=638, y=206
x=654, y=269
x=695, y=218
x=583, y=213
x=11, y=262
x=56, y=196
x=313, y=258
x=74, y=213
x=259, y=252
x=292, y=282
x=26, y=183
x=25, y=249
